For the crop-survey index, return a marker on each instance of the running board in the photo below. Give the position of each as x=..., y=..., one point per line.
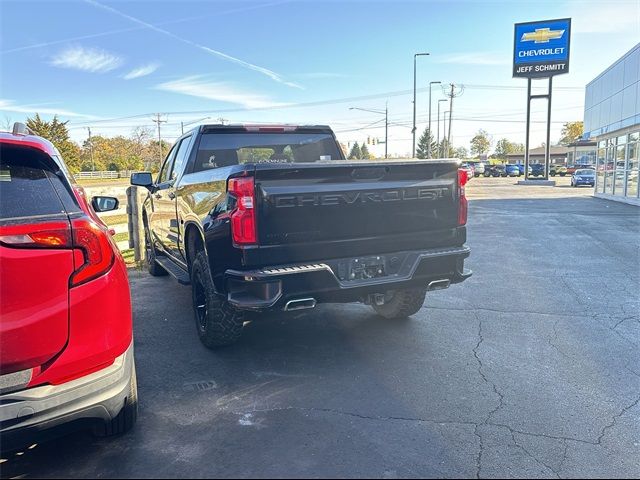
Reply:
x=175, y=271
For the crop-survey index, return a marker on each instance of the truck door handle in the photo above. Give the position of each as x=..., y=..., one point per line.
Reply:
x=171, y=195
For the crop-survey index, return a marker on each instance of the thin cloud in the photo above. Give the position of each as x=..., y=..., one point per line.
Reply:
x=474, y=58
x=197, y=86
x=11, y=106
x=87, y=59
x=142, y=71
x=264, y=71
x=133, y=29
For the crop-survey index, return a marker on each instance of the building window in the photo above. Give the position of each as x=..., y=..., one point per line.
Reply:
x=608, y=171
x=633, y=158
x=600, y=169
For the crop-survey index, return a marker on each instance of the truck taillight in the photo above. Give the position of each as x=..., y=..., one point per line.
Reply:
x=243, y=217
x=94, y=242
x=463, y=205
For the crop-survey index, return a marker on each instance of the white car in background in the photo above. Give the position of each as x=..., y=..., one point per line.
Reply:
x=479, y=168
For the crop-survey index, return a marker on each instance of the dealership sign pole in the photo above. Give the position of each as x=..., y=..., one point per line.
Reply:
x=541, y=50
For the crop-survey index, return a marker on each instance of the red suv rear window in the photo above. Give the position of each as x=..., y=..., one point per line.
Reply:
x=29, y=185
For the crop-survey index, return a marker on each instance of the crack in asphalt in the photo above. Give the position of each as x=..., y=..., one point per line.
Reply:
x=615, y=419
x=495, y=390
x=533, y=457
x=355, y=415
x=551, y=343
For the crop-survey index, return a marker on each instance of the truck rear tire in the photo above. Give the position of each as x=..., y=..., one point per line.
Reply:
x=218, y=323
x=402, y=303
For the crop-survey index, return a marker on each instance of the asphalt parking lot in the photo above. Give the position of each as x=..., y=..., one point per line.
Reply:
x=531, y=368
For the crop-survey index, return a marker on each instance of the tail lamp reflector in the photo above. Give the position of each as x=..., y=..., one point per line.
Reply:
x=243, y=218
x=463, y=204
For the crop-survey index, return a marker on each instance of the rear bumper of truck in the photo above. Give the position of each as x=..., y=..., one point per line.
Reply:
x=345, y=280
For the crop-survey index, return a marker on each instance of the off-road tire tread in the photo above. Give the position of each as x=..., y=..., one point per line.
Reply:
x=224, y=323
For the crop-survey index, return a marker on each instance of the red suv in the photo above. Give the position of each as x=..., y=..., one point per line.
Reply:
x=66, y=349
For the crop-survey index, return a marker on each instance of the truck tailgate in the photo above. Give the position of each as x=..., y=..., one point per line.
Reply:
x=327, y=210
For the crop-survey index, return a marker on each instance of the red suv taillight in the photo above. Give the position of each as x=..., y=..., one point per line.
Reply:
x=42, y=235
x=84, y=234
x=243, y=217
x=463, y=178
x=93, y=241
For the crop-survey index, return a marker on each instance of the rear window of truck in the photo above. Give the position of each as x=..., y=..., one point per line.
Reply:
x=28, y=184
x=226, y=149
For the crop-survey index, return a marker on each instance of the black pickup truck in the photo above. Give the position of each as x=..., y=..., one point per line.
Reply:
x=261, y=218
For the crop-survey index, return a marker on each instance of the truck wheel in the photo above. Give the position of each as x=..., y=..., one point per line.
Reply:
x=126, y=419
x=401, y=303
x=218, y=323
x=153, y=267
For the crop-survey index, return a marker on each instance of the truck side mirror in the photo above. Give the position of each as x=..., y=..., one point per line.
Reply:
x=142, y=179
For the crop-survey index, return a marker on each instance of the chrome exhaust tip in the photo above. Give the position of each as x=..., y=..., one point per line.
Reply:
x=439, y=284
x=300, y=304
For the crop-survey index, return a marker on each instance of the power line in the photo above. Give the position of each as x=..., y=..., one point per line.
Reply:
x=334, y=101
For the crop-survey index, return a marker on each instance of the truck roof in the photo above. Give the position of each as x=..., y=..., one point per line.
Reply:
x=264, y=128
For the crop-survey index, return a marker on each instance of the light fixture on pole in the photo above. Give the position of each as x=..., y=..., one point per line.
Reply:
x=438, y=136
x=386, y=124
x=430, y=132
x=413, y=130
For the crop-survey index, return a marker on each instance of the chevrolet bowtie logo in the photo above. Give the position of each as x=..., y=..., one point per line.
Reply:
x=542, y=35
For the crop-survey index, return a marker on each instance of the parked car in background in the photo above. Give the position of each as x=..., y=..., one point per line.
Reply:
x=511, y=170
x=469, y=169
x=557, y=170
x=537, y=170
x=497, y=171
x=65, y=336
x=521, y=168
x=478, y=168
x=585, y=176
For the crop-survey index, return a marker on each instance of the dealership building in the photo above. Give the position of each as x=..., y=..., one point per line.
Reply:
x=612, y=119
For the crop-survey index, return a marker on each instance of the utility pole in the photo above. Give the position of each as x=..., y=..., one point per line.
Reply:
x=158, y=122
x=386, y=130
x=93, y=165
x=438, y=136
x=413, y=130
x=430, y=134
x=221, y=120
x=456, y=91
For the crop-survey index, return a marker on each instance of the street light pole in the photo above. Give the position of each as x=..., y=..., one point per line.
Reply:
x=415, y=56
x=430, y=134
x=438, y=136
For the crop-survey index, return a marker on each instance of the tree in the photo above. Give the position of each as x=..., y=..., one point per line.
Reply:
x=423, y=145
x=57, y=133
x=364, y=152
x=481, y=143
x=504, y=147
x=571, y=131
x=356, y=153
x=444, y=149
x=461, y=152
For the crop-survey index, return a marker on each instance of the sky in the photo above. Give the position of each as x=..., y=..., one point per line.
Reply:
x=112, y=65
